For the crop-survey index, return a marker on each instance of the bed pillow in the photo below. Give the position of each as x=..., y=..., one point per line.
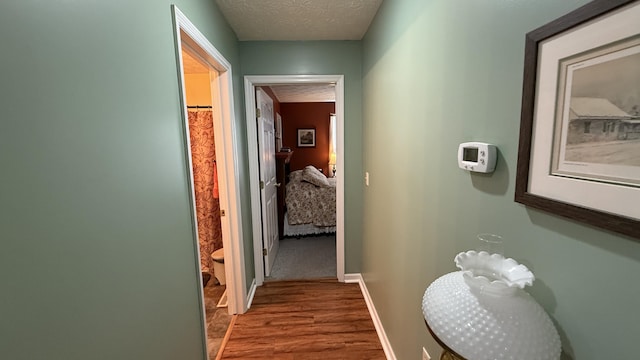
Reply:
x=312, y=175
x=295, y=176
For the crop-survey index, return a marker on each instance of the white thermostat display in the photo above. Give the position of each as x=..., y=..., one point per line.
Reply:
x=477, y=156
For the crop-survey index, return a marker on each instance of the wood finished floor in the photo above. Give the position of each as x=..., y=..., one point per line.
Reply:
x=315, y=319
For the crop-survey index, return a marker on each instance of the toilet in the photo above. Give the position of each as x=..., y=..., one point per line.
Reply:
x=218, y=266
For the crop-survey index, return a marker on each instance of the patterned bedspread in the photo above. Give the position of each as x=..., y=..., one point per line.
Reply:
x=311, y=204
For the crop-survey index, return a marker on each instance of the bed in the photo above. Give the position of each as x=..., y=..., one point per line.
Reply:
x=311, y=203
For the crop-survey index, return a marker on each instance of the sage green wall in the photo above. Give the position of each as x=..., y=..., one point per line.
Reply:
x=324, y=58
x=438, y=73
x=98, y=258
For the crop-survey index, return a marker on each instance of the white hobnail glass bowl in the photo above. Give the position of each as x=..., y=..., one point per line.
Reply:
x=492, y=272
x=481, y=312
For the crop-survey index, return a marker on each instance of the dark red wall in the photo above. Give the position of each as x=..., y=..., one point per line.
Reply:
x=307, y=115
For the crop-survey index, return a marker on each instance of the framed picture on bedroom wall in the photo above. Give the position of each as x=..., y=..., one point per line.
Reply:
x=307, y=137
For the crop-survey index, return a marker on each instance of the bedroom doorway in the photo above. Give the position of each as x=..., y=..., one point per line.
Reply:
x=251, y=83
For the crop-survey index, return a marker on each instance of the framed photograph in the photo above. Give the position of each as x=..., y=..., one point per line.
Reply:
x=579, y=151
x=306, y=137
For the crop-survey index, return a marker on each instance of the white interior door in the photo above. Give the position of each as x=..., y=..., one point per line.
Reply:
x=268, y=184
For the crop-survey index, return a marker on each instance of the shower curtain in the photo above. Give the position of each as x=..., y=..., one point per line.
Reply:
x=203, y=157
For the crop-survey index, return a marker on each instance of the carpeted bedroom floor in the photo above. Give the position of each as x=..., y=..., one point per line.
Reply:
x=308, y=257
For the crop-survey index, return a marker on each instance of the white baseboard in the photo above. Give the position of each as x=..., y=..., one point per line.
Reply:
x=386, y=346
x=251, y=294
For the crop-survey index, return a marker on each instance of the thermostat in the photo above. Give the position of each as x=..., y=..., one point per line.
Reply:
x=477, y=157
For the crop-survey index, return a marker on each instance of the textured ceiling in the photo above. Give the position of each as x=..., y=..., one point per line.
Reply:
x=299, y=19
x=193, y=65
x=284, y=93
x=305, y=93
x=295, y=20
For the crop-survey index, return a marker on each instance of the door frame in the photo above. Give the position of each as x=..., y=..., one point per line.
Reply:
x=226, y=145
x=250, y=84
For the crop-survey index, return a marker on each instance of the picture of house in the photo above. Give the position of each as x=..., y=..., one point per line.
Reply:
x=597, y=119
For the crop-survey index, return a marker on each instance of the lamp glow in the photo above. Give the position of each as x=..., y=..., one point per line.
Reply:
x=332, y=162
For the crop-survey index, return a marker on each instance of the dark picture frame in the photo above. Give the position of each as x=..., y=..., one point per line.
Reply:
x=608, y=203
x=307, y=137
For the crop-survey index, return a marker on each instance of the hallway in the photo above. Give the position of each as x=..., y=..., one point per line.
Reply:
x=319, y=319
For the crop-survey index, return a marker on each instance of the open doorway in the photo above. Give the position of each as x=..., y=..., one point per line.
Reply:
x=198, y=80
x=251, y=83
x=305, y=238
x=193, y=49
